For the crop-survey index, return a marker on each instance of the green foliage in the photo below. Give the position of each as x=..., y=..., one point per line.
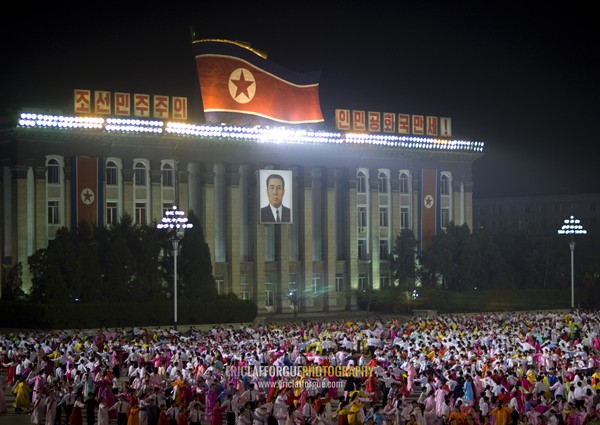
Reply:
x=120, y=262
x=13, y=290
x=116, y=276
x=196, y=263
x=403, y=261
x=504, y=269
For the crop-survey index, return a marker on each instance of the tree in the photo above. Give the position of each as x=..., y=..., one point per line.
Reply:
x=437, y=262
x=13, y=290
x=117, y=261
x=403, y=258
x=51, y=269
x=197, y=280
x=89, y=272
x=147, y=281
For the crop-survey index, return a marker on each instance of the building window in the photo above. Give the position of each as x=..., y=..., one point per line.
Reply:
x=111, y=174
x=316, y=282
x=384, y=281
x=363, y=283
x=383, y=249
x=361, y=182
x=140, y=213
x=140, y=174
x=167, y=175
x=270, y=297
x=403, y=183
x=167, y=206
x=383, y=183
x=53, y=212
x=444, y=217
x=383, y=217
x=444, y=185
x=111, y=213
x=53, y=172
x=292, y=284
x=362, y=216
x=244, y=287
x=404, y=218
x=339, y=282
x=220, y=283
x=362, y=249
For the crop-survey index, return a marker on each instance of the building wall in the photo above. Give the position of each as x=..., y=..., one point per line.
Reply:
x=218, y=181
x=546, y=213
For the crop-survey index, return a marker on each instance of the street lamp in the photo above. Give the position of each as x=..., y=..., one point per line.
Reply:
x=293, y=296
x=176, y=221
x=572, y=226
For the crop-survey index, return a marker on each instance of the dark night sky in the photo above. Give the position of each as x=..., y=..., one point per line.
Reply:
x=519, y=76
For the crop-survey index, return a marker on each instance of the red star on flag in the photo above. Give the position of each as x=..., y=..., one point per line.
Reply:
x=428, y=201
x=242, y=85
x=87, y=195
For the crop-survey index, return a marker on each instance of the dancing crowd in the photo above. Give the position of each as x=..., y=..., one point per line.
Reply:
x=534, y=368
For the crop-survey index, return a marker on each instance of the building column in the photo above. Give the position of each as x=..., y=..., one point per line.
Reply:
x=374, y=233
x=19, y=220
x=192, y=188
x=352, y=256
x=128, y=206
x=330, y=254
x=306, y=289
x=41, y=213
x=236, y=215
x=182, y=190
x=155, y=202
x=468, y=203
x=207, y=206
x=283, y=272
x=258, y=291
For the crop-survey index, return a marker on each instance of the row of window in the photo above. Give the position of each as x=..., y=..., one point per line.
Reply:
x=404, y=187
x=383, y=217
x=140, y=173
x=112, y=212
x=167, y=172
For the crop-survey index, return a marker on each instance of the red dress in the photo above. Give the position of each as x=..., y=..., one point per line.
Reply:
x=163, y=419
x=76, y=416
x=183, y=418
x=217, y=415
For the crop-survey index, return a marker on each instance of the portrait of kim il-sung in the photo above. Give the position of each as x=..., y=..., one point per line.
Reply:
x=275, y=196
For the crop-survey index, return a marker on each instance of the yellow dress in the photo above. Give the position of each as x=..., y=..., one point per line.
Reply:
x=354, y=416
x=22, y=396
x=134, y=416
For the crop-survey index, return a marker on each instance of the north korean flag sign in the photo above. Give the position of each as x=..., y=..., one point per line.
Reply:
x=86, y=190
x=240, y=86
x=428, y=206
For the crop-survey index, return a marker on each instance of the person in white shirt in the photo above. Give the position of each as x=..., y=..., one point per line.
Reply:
x=579, y=394
x=250, y=395
x=121, y=407
x=195, y=413
x=173, y=412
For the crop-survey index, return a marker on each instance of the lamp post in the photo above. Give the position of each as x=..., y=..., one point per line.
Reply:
x=176, y=221
x=572, y=226
x=293, y=296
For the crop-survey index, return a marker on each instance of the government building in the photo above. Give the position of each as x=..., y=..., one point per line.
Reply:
x=350, y=189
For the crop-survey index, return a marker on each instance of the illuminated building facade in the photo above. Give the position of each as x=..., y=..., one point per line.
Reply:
x=352, y=194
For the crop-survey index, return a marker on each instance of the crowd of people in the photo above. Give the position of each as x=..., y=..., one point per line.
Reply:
x=500, y=369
